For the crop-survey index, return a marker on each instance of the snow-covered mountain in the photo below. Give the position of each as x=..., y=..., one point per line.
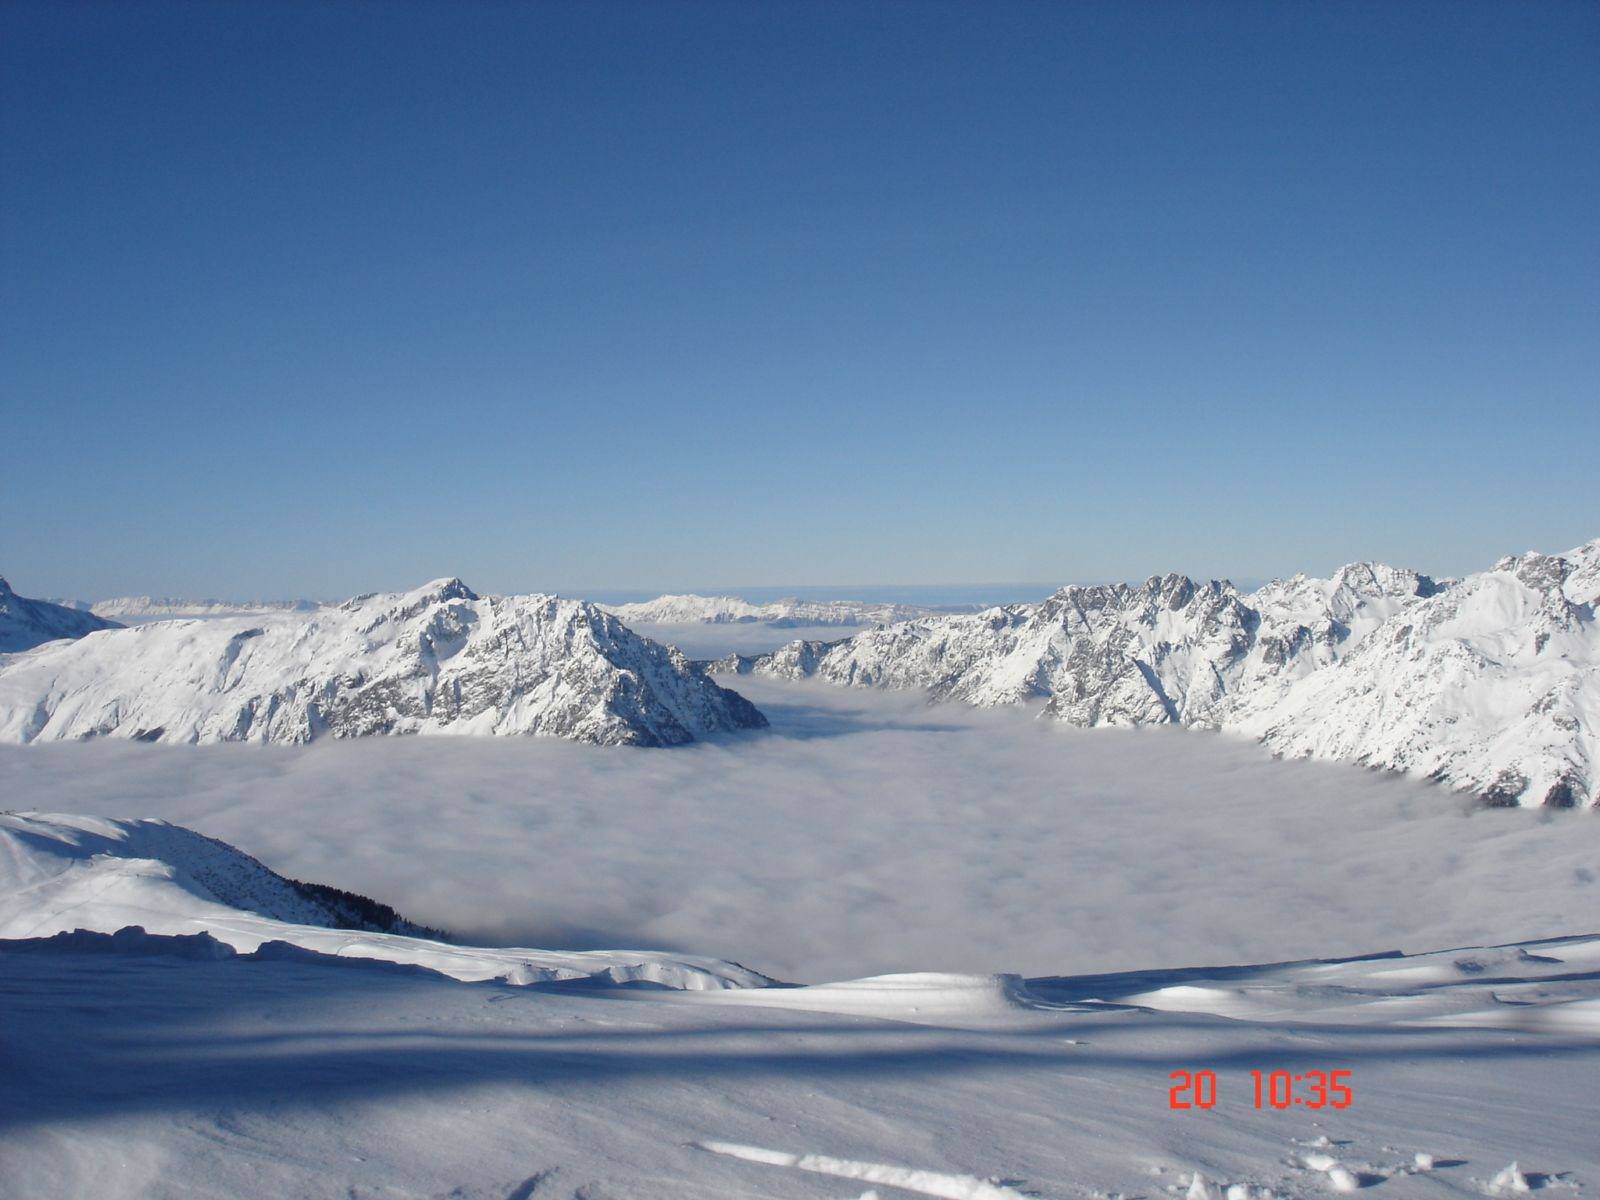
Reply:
x=132, y=610
x=60, y=873
x=1490, y=683
x=26, y=623
x=439, y=659
x=781, y=614
x=1116, y=654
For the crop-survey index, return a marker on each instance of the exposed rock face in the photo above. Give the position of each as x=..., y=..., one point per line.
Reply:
x=1490, y=683
x=436, y=660
x=26, y=623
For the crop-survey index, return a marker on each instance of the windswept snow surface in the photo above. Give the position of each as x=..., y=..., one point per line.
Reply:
x=144, y=1062
x=439, y=659
x=26, y=623
x=867, y=834
x=135, y=1067
x=1490, y=683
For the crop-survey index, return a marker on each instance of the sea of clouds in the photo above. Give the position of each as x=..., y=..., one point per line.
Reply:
x=869, y=832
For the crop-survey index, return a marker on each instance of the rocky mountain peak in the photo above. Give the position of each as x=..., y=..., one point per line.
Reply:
x=435, y=659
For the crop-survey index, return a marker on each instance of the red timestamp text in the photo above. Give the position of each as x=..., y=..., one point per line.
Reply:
x=1272, y=1089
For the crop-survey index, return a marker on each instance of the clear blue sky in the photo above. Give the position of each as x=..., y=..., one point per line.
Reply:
x=318, y=299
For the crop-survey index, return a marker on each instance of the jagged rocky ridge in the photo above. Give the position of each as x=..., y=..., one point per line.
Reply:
x=439, y=659
x=26, y=623
x=1490, y=683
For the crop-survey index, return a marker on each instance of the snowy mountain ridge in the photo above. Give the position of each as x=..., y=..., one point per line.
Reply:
x=61, y=872
x=1490, y=683
x=26, y=623
x=439, y=659
x=52, y=864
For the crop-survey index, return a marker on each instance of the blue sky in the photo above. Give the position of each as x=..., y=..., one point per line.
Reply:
x=318, y=299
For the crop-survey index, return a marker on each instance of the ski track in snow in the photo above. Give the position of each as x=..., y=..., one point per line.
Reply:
x=911, y=1179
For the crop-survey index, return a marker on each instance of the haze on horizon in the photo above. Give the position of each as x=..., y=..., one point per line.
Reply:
x=625, y=299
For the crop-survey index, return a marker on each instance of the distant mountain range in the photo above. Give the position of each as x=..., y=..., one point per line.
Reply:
x=1490, y=683
x=440, y=659
x=787, y=613
x=780, y=614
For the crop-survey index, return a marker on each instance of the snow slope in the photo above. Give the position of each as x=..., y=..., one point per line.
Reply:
x=60, y=873
x=67, y=872
x=1490, y=683
x=151, y=1066
x=730, y=610
x=439, y=659
x=26, y=623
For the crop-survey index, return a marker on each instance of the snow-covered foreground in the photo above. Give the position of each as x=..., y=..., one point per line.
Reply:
x=869, y=833
x=134, y=1074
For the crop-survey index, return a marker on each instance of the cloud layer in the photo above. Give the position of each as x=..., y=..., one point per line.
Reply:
x=867, y=833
